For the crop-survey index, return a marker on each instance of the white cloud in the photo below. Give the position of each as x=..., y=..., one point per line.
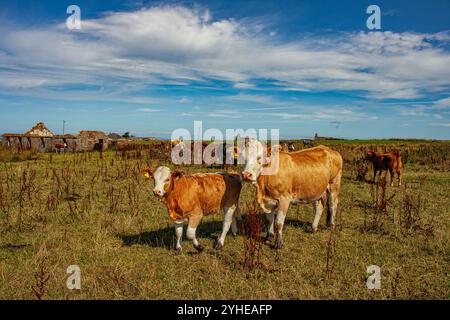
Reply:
x=161, y=45
x=184, y=100
x=243, y=85
x=147, y=110
x=441, y=124
x=442, y=104
x=232, y=114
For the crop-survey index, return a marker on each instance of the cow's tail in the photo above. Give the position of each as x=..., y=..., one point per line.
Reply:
x=399, y=164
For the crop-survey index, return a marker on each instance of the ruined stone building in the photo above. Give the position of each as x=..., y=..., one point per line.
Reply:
x=40, y=138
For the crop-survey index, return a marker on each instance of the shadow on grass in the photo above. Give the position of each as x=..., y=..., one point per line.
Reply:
x=305, y=226
x=165, y=238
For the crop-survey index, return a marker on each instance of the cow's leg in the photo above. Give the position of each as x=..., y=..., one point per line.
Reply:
x=283, y=207
x=375, y=171
x=227, y=222
x=270, y=227
x=179, y=235
x=193, y=223
x=391, y=173
x=236, y=216
x=333, y=200
x=318, y=209
x=399, y=175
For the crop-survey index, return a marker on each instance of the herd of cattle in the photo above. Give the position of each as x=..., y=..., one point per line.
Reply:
x=310, y=175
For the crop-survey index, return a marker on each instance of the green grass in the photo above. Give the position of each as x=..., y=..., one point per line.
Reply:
x=122, y=239
x=380, y=142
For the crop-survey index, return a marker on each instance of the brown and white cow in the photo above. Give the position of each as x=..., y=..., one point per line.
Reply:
x=190, y=197
x=60, y=147
x=390, y=161
x=287, y=147
x=307, y=176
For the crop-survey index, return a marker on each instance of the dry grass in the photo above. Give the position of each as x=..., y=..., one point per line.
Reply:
x=98, y=213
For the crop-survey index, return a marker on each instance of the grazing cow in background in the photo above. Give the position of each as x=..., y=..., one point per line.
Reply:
x=174, y=143
x=308, y=143
x=60, y=147
x=190, y=197
x=98, y=146
x=307, y=176
x=190, y=146
x=288, y=147
x=390, y=161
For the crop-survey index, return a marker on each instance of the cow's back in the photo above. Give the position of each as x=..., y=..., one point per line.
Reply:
x=303, y=175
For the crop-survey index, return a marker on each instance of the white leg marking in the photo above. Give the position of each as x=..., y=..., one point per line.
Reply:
x=318, y=209
x=179, y=234
x=270, y=218
x=190, y=233
x=227, y=221
x=281, y=216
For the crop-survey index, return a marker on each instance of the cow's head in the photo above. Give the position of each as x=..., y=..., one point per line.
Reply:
x=256, y=159
x=370, y=155
x=163, y=179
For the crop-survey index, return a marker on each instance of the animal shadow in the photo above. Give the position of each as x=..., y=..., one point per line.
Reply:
x=165, y=237
x=305, y=226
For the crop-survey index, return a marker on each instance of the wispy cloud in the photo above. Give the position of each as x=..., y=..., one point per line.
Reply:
x=147, y=110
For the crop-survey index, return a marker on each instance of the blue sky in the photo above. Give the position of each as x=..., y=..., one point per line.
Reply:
x=150, y=67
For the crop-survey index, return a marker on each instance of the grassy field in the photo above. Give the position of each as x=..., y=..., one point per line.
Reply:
x=96, y=211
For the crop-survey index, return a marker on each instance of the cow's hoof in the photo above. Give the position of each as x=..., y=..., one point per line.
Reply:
x=199, y=248
x=313, y=230
x=178, y=251
x=218, y=245
x=269, y=238
x=278, y=245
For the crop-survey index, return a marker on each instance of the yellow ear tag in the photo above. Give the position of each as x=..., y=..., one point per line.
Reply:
x=147, y=175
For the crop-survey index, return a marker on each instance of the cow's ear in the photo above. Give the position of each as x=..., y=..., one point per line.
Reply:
x=147, y=172
x=177, y=174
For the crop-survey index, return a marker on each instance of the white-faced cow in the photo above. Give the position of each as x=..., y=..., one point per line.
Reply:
x=307, y=176
x=190, y=197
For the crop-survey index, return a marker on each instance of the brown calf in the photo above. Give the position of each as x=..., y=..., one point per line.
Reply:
x=390, y=161
x=190, y=197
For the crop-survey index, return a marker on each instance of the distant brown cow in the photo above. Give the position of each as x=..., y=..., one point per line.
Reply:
x=60, y=147
x=387, y=161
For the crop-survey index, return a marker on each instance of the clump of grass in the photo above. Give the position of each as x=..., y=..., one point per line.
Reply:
x=361, y=170
x=251, y=229
x=377, y=210
x=41, y=278
x=409, y=220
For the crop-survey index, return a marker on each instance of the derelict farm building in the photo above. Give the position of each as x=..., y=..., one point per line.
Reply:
x=40, y=138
